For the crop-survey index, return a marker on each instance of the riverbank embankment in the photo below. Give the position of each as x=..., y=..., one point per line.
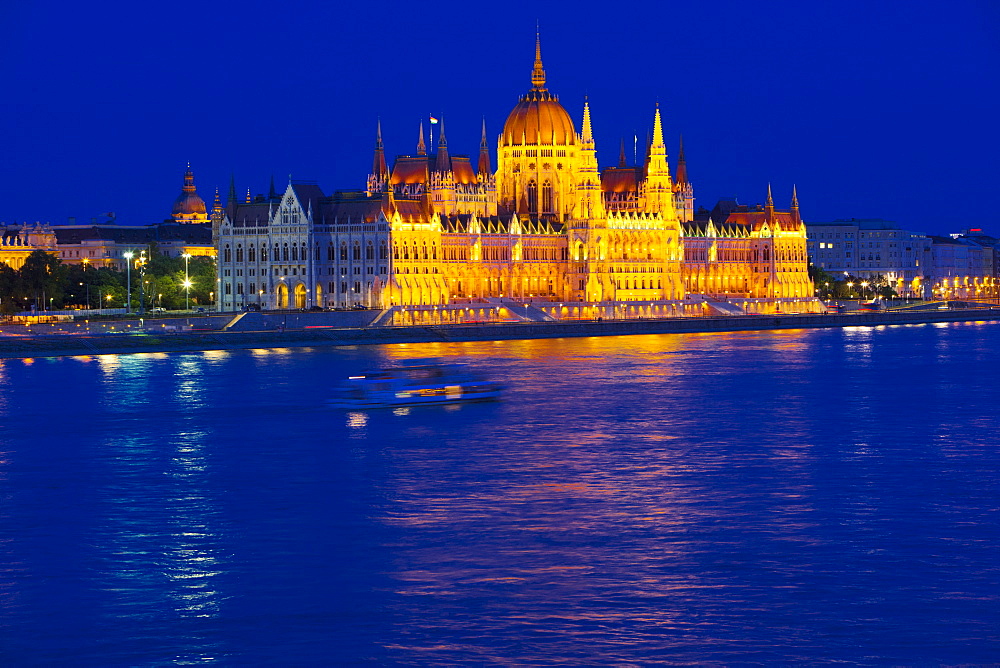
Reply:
x=145, y=342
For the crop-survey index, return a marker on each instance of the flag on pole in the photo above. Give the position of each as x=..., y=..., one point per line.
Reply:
x=433, y=121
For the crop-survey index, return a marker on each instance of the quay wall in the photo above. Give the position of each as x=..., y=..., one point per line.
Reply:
x=54, y=345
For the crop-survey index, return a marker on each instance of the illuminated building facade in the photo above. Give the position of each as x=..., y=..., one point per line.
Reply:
x=546, y=226
x=17, y=242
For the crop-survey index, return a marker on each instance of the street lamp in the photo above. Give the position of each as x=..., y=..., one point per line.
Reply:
x=864, y=286
x=128, y=279
x=187, y=283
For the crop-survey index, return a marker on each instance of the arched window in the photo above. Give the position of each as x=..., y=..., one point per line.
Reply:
x=532, y=196
x=227, y=254
x=369, y=251
x=252, y=254
x=277, y=253
x=330, y=254
x=343, y=250
x=239, y=253
x=357, y=250
x=263, y=253
x=383, y=252
x=284, y=253
x=395, y=251
x=547, y=202
x=295, y=253
x=425, y=256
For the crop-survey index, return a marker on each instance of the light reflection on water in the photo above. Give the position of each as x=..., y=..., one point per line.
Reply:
x=752, y=497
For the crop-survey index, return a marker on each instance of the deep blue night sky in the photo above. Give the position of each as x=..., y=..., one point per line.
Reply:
x=874, y=109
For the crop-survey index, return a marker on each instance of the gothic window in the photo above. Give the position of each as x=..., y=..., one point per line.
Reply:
x=295, y=253
x=252, y=254
x=395, y=251
x=357, y=250
x=547, y=197
x=239, y=253
x=369, y=251
x=425, y=251
x=277, y=253
x=532, y=196
x=227, y=254
x=330, y=253
x=263, y=253
x=383, y=252
x=284, y=253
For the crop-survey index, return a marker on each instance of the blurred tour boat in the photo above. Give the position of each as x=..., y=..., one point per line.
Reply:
x=415, y=383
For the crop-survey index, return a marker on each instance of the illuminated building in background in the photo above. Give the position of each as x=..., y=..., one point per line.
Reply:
x=189, y=207
x=17, y=242
x=547, y=226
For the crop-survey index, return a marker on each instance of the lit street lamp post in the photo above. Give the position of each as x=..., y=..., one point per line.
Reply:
x=128, y=280
x=187, y=283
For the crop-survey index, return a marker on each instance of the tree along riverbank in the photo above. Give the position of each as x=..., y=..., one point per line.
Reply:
x=57, y=345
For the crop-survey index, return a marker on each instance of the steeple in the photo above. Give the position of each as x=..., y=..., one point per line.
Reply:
x=622, y=162
x=769, y=204
x=537, y=72
x=485, y=168
x=443, y=162
x=272, y=194
x=421, y=146
x=379, y=167
x=587, y=135
x=231, y=199
x=682, y=172
x=795, y=206
x=657, y=146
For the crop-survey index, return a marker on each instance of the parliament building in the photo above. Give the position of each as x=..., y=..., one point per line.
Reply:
x=437, y=233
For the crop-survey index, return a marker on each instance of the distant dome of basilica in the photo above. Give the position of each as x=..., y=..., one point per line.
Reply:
x=188, y=203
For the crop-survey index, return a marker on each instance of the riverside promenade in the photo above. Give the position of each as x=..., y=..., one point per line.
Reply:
x=322, y=329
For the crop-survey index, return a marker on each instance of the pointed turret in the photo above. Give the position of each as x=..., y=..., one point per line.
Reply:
x=443, y=161
x=272, y=194
x=538, y=72
x=587, y=134
x=485, y=169
x=379, y=167
x=795, y=206
x=657, y=146
x=622, y=162
x=231, y=199
x=682, y=172
x=421, y=146
x=769, y=204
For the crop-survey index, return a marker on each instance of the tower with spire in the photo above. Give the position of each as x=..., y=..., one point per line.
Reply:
x=683, y=190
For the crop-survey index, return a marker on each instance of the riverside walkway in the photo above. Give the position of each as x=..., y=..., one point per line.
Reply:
x=351, y=329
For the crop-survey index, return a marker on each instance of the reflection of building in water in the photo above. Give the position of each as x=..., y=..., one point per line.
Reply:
x=547, y=225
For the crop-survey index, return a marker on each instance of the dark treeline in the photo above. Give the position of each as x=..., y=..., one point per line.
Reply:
x=45, y=283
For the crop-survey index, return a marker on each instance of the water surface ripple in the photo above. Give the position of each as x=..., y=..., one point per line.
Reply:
x=756, y=498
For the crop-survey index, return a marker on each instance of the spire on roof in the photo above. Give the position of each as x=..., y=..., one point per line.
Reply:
x=657, y=146
x=770, y=199
x=587, y=134
x=232, y=189
x=379, y=167
x=622, y=162
x=682, y=172
x=537, y=72
x=484, y=154
x=272, y=193
x=421, y=146
x=248, y=195
x=443, y=162
x=796, y=216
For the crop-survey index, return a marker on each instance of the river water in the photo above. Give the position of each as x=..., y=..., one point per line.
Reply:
x=754, y=498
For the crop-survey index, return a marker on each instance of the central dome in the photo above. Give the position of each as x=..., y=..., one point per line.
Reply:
x=539, y=119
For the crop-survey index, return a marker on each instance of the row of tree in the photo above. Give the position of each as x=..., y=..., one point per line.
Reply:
x=45, y=283
x=846, y=286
